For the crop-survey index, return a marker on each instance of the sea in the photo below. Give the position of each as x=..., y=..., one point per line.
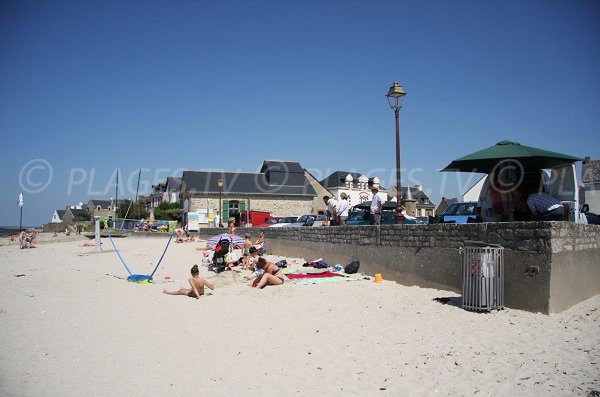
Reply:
x=8, y=230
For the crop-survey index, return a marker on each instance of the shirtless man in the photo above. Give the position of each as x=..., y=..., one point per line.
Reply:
x=196, y=282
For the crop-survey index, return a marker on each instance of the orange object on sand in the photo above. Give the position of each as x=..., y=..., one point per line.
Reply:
x=378, y=278
x=167, y=277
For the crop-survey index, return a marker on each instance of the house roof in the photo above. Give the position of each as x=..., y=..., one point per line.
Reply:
x=447, y=202
x=60, y=213
x=281, y=166
x=242, y=183
x=338, y=179
x=104, y=204
x=174, y=183
x=590, y=171
x=77, y=211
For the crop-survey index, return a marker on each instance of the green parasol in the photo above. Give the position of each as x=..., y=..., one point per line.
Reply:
x=526, y=156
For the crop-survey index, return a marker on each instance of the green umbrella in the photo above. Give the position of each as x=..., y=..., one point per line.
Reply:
x=526, y=156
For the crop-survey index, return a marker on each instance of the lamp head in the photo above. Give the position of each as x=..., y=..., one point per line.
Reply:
x=396, y=96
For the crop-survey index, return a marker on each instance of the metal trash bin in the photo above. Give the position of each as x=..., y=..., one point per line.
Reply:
x=482, y=276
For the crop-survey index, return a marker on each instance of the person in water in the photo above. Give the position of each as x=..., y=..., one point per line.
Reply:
x=196, y=282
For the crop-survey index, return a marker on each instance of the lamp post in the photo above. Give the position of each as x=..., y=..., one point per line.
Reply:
x=395, y=98
x=220, y=185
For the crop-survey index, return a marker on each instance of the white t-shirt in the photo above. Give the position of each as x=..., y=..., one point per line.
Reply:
x=376, y=204
x=331, y=204
x=342, y=209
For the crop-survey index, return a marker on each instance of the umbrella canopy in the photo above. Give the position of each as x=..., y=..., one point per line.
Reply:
x=232, y=238
x=526, y=156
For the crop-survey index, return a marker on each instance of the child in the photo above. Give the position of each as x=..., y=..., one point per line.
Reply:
x=196, y=282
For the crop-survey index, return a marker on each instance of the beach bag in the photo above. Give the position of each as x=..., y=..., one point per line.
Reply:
x=231, y=257
x=352, y=267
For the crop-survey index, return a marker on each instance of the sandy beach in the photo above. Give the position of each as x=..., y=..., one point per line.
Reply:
x=72, y=325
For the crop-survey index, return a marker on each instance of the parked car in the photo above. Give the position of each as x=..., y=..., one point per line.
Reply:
x=459, y=212
x=286, y=221
x=359, y=215
x=319, y=219
x=304, y=220
x=269, y=222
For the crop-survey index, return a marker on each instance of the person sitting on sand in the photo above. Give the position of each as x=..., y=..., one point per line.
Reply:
x=250, y=259
x=196, y=282
x=271, y=274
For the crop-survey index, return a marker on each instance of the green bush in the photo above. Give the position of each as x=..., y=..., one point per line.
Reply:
x=168, y=212
x=83, y=217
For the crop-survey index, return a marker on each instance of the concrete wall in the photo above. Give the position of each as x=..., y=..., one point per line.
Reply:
x=549, y=266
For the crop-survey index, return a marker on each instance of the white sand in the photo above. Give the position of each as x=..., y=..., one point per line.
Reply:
x=70, y=327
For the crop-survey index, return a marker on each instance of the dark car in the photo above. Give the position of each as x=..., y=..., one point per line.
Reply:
x=459, y=213
x=359, y=215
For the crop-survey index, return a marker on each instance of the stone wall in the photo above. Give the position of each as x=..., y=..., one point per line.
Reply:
x=549, y=266
x=275, y=205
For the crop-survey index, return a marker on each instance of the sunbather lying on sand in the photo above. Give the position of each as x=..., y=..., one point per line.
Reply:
x=196, y=282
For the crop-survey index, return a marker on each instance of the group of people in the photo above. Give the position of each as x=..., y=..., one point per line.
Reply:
x=523, y=202
x=337, y=211
x=263, y=273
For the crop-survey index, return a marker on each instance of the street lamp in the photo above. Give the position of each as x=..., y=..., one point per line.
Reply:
x=395, y=97
x=220, y=185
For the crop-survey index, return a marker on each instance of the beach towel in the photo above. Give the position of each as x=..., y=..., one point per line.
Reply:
x=313, y=275
x=326, y=280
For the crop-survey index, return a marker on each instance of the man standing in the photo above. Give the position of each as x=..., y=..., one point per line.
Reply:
x=331, y=209
x=376, y=207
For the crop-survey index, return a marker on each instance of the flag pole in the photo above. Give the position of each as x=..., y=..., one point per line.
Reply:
x=20, y=204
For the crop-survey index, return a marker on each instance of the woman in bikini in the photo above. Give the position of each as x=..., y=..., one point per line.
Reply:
x=271, y=276
x=196, y=282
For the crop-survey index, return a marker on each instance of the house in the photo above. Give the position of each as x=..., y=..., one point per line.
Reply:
x=105, y=209
x=356, y=186
x=318, y=205
x=280, y=188
x=172, y=189
x=158, y=194
x=590, y=176
x=57, y=217
x=70, y=215
x=445, y=203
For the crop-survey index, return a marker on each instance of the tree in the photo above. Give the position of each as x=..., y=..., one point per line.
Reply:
x=136, y=211
x=84, y=216
x=168, y=212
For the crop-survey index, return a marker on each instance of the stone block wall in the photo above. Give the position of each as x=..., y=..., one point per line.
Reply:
x=549, y=266
x=275, y=205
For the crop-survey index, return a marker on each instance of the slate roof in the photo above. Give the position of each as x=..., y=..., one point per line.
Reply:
x=174, y=183
x=104, y=204
x=60, y=213
x=338, y=179
x=590, y=171
x=251, y=183
x=77, y=211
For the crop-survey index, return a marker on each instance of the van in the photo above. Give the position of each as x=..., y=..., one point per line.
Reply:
x=498, y=204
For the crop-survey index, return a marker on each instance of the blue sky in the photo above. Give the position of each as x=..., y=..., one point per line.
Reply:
x=89, y=87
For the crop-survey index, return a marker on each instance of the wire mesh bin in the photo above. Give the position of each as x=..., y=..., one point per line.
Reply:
x=483, y=277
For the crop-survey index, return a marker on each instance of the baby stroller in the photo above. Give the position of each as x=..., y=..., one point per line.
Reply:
x=218, y=260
